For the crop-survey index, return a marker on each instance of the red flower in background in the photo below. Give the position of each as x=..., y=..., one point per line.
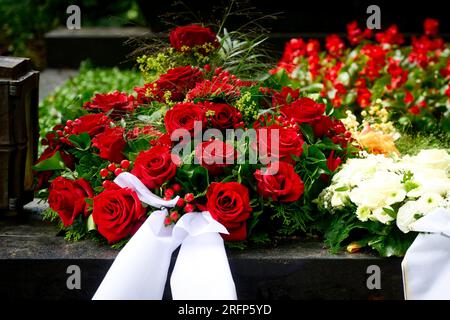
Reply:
x=187, y=37
x=154, y=167
x=67, y=198
x=117, y=103
x=229, y=204
x=215, y=155
x=390, y=36
x=363, y=97
x=280, y=182
x=183, y=116
x=111, y=144
x=355, y=35
x=285, y=97
x=303, y=110
x=118, y=213
x=334, y=45
x=431, y=27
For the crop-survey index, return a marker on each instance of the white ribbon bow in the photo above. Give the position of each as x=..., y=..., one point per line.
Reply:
x=426, y=265
x=139, y=271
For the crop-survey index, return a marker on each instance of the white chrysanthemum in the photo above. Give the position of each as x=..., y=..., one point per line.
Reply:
x=432, y=200
x=363, y=213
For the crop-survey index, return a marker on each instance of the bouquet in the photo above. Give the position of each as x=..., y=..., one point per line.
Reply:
x=252, y=152
x=377, y=76
x=372, y=201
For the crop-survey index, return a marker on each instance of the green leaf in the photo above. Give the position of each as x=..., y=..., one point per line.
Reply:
x=394, y=244
x=390, y=212
x=55, y=162
x=307, y=132
x=81, y=141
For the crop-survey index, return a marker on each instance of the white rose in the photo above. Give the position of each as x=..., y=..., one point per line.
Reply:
x=381, y=216
x=433, y=158
x=384, y=189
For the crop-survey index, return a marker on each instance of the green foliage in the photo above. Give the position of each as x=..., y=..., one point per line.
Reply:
x=412, y=143
x=67, y=100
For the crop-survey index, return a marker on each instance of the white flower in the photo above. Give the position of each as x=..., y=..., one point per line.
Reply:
x=363, y=213
x=382, y=216
x=433, y=158
x=409, y=213
x=383, y=189
x=432, y=200
x=339, y=199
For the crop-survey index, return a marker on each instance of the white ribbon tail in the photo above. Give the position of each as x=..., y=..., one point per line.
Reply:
x=202, y=271
x=426, y=265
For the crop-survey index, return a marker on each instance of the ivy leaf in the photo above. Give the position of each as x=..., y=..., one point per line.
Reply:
x=55, y=162
x=81, y=141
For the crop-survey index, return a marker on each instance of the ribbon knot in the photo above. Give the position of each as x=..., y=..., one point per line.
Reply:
x=141, y=267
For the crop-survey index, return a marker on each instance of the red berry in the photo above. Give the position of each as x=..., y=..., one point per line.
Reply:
x=348, y=134
x=106, y=184
x=125, y=164
x=296, y=127
x=169, y=193
x=180, y=202
x=280, y=118
x=59, y=133
x=66, y=129
x=176, y=187
x=174, y=215
x=69, y=122
x=111, y=167
x=189, y=197
x=118, y=171
x=167, y=221
x=104, y=173
x=189, y=208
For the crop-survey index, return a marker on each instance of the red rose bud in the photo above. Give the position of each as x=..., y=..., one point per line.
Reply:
x=189, y=197
x=174, y=215
x=169, y=193
x=111, y=167
x=104, y=173
x=189, y=208
x=125, y=164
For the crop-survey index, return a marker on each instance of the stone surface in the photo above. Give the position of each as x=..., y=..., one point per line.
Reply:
x=34, y=260
x=50, y=79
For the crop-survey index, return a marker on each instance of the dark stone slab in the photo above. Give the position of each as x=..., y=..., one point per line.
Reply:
x=104, y=46
x=34, y=260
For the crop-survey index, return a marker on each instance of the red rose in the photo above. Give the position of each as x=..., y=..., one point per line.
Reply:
x=214, y=155
x=280, y=182
x=303, y=110
x=187, y=37
x=223, y=115
x=288, y=142
x=229, y=204
x=183, y=116
x=117, y=102
x=67, y=198
x=111, y=144
x=117, y=213
x=154, y=167
x=431, y=27
x=93, y=124
x=322, y=126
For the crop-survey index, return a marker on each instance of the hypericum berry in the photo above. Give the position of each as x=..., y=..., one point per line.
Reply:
x=69, y=122
x=59, y=133
x=106, y=184
x=118, y=171
x=167, y=221
x=348, y=134
x=125, y=164
x=104, y=173
x=280, y=118
x=111, y=167
x=66, y=129
x=176, y=187
x=180, y=202
x=174, y=215
x=296, y=126
x=189, y=208
x=189, y=197
x=169, y=193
